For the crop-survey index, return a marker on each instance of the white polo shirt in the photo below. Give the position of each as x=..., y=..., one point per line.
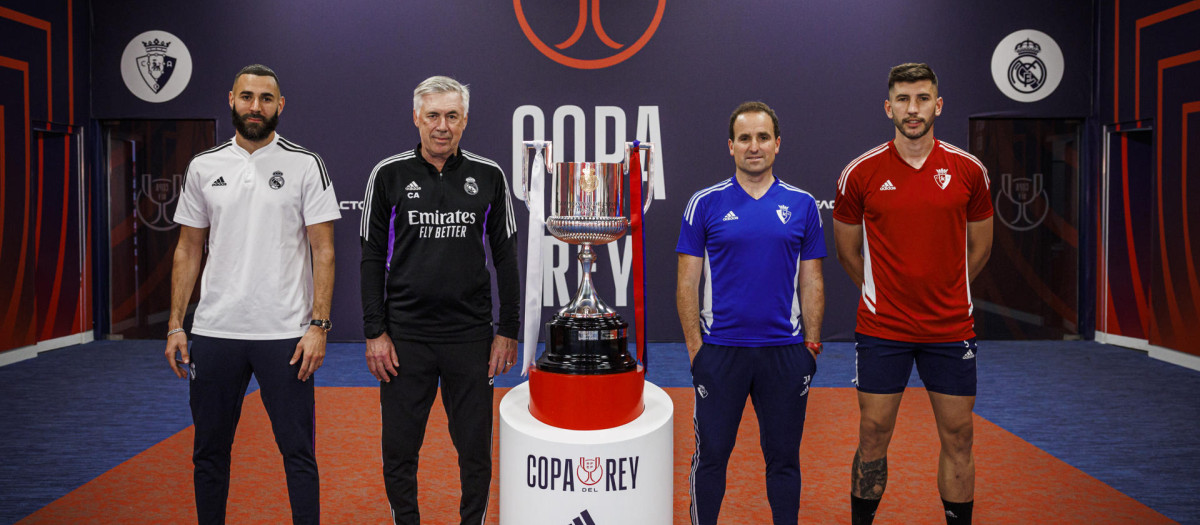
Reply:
x=257, y=283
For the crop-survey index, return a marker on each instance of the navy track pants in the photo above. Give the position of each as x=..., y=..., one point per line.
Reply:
x=776, y=379
x=222, y=369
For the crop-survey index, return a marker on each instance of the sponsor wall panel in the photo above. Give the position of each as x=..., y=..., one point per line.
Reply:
x=16, y=253
x=59, y=261
x=1149, y=66
x=1175, y=299
x=39, y=162
x=17, y=303
x=347, y=72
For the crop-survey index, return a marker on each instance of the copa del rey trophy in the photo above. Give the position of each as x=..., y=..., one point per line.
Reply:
x=586, y=379
x=587, y=439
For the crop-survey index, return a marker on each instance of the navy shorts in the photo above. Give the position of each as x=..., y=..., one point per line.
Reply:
x=882, y=366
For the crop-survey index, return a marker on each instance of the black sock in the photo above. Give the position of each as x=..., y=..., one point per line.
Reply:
x=958, y=513
x=862, y=511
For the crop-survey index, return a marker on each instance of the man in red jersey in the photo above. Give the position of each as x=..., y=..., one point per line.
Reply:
x=913, y=227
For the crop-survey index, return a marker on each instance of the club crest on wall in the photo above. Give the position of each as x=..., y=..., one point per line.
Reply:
x=1027, y=65
x=156, y=66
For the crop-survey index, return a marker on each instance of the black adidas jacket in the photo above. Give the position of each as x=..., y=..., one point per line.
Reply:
x=424, y=272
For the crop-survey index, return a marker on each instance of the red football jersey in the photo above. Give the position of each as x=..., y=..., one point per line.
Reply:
x=915, y=285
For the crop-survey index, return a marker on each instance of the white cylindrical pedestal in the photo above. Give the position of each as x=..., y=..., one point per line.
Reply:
x=555, y=476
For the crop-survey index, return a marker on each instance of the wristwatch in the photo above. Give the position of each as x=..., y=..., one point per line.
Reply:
x=325, y=324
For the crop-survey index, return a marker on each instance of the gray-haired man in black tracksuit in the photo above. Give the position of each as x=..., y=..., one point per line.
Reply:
x=427, y=301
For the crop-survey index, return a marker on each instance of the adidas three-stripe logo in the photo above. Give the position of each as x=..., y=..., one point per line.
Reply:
x=584, y=519
x=730, y=216
x=412, y=186
x=887, y=186
x=219, y=182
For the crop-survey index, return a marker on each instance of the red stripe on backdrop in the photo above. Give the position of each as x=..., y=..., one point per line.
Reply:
x=3, y=172
x=599, y=28
x=1016, y=481
x=1144, y=22
x=23, y=257
x=10, y=316
x=582, y=63
x=41, y=197
x=1168, y=285
x=1139, y=292
x=44, y=26
x=579, y=27
x=51, y=312
x=1185, y=111
x=1112, y=323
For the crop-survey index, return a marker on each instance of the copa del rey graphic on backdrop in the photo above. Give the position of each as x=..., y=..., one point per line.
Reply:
x=610, y=125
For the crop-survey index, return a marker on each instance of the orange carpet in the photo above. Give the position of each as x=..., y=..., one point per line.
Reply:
x=1016, y=482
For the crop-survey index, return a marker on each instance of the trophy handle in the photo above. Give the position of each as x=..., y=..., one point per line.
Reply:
x=649, y=147
x=540, y=147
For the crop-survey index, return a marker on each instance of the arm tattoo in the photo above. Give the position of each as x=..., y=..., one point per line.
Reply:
x=868, y=479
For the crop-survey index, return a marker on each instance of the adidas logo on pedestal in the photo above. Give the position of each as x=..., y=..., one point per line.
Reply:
x=412, y=186
x=584, y=519
x=730, y=216
x=887, y=186
x=219, y=182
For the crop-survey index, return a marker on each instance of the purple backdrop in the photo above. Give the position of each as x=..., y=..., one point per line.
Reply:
x=348, y=70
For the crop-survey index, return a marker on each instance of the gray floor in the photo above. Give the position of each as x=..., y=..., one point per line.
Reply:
x=1132, y=422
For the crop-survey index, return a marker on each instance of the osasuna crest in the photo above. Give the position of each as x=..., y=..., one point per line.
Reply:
x=783, y=214
x=470, y=187
x=154, y=197
x=156, y=66
x=942, y=177
x=1027, y=65
x=276, y=181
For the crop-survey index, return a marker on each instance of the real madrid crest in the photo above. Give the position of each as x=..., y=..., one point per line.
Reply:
x=1027, y=72
x=470, y=187
x=942, y=177
x=587, y=179
x=1027, y=65
x=276, y=181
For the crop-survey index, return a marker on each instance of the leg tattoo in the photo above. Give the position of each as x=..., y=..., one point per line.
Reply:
x=869, y=478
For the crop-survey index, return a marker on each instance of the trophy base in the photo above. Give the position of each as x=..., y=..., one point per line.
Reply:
x=587, y=346
x=586, y=402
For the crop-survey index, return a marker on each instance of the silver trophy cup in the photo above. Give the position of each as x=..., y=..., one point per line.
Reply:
x=587, y=207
